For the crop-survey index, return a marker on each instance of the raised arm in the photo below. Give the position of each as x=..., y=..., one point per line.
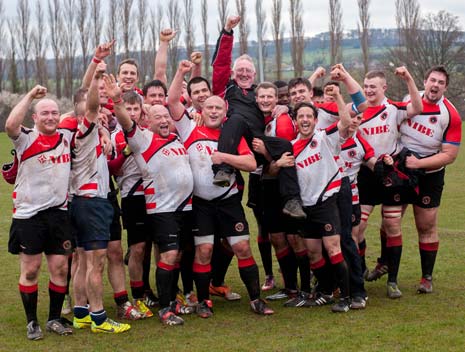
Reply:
x=339, y=73
x=222, y=58
x=114, y=92
x=166, y=35
x=196, y=59
x=17, y=115
x=320, y=72
x=174, y=93
x=101, y=52
x=415, y=106
x=344, y=115
x=93, y=101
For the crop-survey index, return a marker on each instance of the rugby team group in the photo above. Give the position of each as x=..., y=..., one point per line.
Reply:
x=317, y=168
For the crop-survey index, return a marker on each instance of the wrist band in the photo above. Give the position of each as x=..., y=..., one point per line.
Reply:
x=95, y=60
x=358, y=98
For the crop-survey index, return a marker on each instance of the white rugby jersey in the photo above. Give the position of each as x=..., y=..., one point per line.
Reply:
x=43, y=173
x=437, y=124
x=165, y=168
x=200, y=143
x=354, y=152
x=328, y=114
x=130, y=173
x=89, y=170
x=317, y=171
x=380, y=129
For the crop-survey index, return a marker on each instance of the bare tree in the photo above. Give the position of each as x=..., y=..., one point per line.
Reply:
x=155, y=25
x=363, y=27
x=206, y=49
x=83, y=25
x=39, y=45
x=55, y=24
x=2, y=40
x=173, y=11
x=69, y=45
x=297, y=36
x=335, y=30
x=96, y=22
x=243, y=26
x=188, y=26
x=142, y=26
x=261, y=29
x=126, y=7
x=113, y=24
x=222, y=13
x=13, y=69
x=277, y=28
x=24, y=21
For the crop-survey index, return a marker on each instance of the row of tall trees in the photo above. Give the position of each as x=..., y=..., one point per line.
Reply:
x=68, y=30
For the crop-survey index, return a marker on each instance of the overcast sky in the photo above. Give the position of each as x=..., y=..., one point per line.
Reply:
x=315, y=13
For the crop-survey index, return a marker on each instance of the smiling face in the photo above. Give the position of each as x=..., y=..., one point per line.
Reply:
x=127, y=77
x=374, y=89
x=355, y=122
x=213, y=112
x=158, y=120
x=435, y=86
x=266, y=100
x=244, y=73
x=155, y=96
x=199, y=94
x=46, y=116
x=306, y=121
x=299, y=94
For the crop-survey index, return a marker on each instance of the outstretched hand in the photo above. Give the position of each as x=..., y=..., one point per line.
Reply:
x=103, y=50
x=111, y=87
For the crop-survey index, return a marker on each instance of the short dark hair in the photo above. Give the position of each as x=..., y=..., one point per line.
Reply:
x=132, y=97
x=300, y=80
x=267, y=85
x=331, y=83
x=280, y=84
x=154, y=83
x=305, y=105
x=130, y=62
x=440, y=69
x=317, y=92
x=197, y=80
x=79, y=95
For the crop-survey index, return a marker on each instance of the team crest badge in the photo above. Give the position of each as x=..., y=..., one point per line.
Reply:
x=426, y=200
x=397, y=197
x=313, y=144
x=165, y=152
x=384, y=115
x=328, y=227
x=353, y=218
x=67, y=245
x=239, y=227
x=42, y=159
x=352, y=153
x=199, y=147
x=433, y=120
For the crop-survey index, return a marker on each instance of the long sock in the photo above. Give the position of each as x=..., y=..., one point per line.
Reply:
x=137, y=289
x=146, y=265
x=303, y=262
x=221, y=259
x=322, y=273
x=99, y=316
x=187, y=260
x=428, y=252
x=248, y=271
x=202, y=273
x=164, y=278
x=264, y=246
x=288, y=266
x=57, y=296
x=362, y=247
x=342, y=274
x=383, y=239
x=394, y=253
x=29, y=297
x=121, y=297
x=68, y=276
x=175, y=288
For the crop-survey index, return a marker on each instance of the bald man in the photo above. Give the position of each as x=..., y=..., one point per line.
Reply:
x=40, y=219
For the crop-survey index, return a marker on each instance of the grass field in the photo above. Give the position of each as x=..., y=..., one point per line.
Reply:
x=433, y=322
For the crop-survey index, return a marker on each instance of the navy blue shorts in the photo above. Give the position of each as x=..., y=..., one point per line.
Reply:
x=91, y=219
